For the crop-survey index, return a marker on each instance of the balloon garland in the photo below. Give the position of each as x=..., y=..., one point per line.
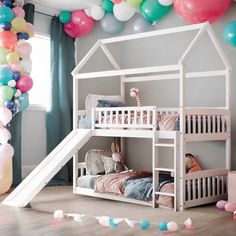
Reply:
x=15, y=82
x=107, y=221
x=112, y=14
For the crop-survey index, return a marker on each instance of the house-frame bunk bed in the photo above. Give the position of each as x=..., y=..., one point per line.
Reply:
x=196, y=123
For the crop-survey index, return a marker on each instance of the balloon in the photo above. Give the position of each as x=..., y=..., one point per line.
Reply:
x=13, y=58
x=19, y=3
x=229, y=33
x=134, y=3
x=83, y=22
x=221, y=204
x=6, y=93
x=9, y=104
x=24, y=84
x=5, y=115
x=12, y=83
x=24, y=101
x=87, y=12
x=166, y=2
x=111, y=25
x=117, y=1
x=230, y=207
x=6, y=151
x=30, y=29
x=7, y=3
x=3, y=55
x=72, y=29
x=18, y=11
x=65, y=17
x=23, y=49
x=5, y=135
x=26, y=65
x=123, y=12
x=6, y=25
x=153, y=11
x=18, y=24
x=8, y=39
x=23, y=35
x=107, y=5
x=97, y=12
x=197, y=11
x=16, y=75
x=5, y=175
x=141, y=25
x=6, y=14
x=5, y=75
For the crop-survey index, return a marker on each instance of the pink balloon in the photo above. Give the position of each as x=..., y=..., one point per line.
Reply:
x=6, y=151
x=23, y=49
x=5, y=115
x=24, y=84
x=197, y=11
x=5, y=135
x=15, y=67
x=19, y=12
x=72, y=29
x=230, y=207
x=84, y=22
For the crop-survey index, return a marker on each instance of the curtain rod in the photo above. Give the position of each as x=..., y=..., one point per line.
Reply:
x=45, y=14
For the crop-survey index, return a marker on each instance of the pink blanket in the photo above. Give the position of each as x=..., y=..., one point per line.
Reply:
x=115, y=183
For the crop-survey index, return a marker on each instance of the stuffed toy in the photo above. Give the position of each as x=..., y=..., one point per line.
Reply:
x=117, y=158
x=191, y=163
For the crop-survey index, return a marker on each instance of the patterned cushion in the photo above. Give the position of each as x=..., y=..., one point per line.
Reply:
x=109, y=164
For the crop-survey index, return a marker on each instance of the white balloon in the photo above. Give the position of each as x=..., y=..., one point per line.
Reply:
x=97, y=12
x=123, y=12
x=166, y=2
x=87, y=12
x=27, y=65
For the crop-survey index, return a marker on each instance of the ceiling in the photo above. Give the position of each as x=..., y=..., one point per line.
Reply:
x=70, y=5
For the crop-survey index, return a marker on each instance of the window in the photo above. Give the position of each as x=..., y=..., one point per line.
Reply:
x=40, y=56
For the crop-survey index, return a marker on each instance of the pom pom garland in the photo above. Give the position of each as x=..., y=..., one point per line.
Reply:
x=114, y=222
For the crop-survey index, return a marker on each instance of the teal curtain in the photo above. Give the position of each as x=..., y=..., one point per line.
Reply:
x=15, y=124
x=59, y=117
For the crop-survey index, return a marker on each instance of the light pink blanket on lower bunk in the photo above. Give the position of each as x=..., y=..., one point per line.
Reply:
x=115, y=183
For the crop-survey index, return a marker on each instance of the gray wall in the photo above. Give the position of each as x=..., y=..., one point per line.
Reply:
x=166, y=50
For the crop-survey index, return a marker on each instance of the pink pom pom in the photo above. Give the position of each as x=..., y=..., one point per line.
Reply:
x=172, y=226
x=230, y=207
x=221, y=204
x=58, y=214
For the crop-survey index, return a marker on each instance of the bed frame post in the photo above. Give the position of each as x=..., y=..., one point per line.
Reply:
x=182, y=138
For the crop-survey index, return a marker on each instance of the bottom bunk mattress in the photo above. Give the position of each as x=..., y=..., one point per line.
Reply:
x=130, y=184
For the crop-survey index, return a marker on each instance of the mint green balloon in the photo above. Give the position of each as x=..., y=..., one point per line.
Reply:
x=107, y=5
x=6, y=93
x=153, y=11
x=3, y=55
x=65, y=17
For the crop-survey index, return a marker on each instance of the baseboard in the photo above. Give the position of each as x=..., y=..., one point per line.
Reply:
x=26, y=170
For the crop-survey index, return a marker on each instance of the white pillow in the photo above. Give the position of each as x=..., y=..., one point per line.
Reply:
x=92, y=99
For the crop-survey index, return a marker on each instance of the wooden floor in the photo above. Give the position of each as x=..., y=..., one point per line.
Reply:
x=39, y=219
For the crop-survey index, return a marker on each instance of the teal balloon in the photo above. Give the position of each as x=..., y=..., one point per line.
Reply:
x=23, y=102
x=111, y=25
x=6, y=14
x=6, y=75
x=65, y=17
x=153, y=11
x=112, y=223
x=163, y=226
x=107, y=5
x=6, y=93
x=229, y=33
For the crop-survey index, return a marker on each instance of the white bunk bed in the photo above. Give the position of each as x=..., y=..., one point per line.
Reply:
x=196, y=123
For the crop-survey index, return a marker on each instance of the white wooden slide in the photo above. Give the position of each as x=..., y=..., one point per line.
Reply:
x=40, y=176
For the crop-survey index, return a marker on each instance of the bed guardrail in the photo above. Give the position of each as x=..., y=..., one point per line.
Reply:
x=125, y=117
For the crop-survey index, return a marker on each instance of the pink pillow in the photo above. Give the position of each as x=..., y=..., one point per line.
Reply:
x=167, y=122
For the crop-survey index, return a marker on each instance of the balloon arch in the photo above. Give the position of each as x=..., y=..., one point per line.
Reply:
x=112, y=14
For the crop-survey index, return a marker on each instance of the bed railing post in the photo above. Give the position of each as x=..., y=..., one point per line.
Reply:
x=93, y=118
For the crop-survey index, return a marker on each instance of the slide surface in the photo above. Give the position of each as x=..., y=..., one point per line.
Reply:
x=45, y=171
